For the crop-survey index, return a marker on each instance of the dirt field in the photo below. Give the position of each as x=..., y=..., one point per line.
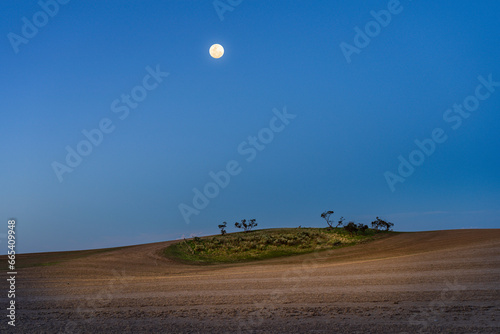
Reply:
x=425, y=282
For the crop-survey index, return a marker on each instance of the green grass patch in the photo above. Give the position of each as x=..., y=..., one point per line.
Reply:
x=262, y=244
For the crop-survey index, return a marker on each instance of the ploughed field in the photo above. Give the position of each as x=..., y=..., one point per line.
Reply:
x=429, y=282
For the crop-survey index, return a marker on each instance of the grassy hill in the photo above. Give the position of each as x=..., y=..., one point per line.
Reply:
x=264, y=244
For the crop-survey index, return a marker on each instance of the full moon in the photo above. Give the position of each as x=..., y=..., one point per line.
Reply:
x=216, y=51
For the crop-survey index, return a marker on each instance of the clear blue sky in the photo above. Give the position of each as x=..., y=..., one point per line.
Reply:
x=355, y=104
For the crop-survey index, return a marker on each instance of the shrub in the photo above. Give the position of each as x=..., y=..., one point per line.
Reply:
x=304, y=235
x=199, y=248
x=351, y=228
x=267, y=239
x=362, y=228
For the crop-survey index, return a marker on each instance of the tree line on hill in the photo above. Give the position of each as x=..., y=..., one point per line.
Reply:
x=351, y=227
x=247, y=227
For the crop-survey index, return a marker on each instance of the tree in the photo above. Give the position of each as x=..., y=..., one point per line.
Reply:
x=326, y=216
x=223, y=228
x=246, y=227
x=341, y=222
x=380, y=224
x=362, y=228
x=351, y=228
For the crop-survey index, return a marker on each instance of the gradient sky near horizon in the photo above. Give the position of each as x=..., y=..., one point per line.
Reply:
x=353, y=120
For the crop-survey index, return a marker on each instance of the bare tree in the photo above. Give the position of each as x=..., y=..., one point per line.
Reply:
x=223, y=228
x=326, y=216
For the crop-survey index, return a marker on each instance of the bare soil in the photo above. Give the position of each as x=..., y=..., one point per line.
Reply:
x=423, y=282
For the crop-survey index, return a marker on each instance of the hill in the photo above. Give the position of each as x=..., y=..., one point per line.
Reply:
x=266, y=244
x=432, y=282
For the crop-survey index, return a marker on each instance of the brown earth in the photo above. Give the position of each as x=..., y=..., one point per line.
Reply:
x=422, y=282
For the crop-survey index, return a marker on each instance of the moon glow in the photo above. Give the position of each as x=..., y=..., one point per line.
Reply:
x=216, y=51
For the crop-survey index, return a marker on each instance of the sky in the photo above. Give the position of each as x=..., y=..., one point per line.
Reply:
x=118, y=128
